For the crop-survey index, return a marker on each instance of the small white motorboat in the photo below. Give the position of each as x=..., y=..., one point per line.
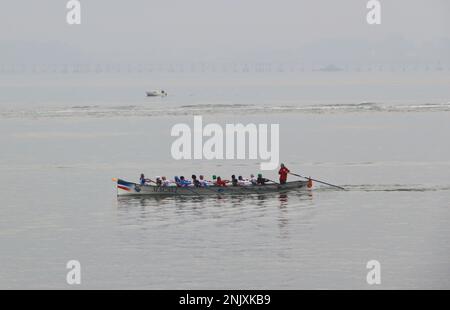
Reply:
x=156, y=93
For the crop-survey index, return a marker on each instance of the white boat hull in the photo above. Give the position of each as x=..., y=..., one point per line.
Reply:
x=156, y=93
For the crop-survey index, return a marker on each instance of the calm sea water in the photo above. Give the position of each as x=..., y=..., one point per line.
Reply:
x=388, y=146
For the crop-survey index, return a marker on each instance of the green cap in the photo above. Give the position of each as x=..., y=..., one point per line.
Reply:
x=214, y=177
x=259, y=175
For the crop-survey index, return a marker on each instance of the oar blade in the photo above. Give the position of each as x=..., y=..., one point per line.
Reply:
x=318, y=181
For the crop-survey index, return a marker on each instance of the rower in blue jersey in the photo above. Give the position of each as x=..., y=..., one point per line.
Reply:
x=184, y=182
x=143, y=180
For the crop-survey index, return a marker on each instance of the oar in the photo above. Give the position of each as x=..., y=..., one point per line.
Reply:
x=318, y=181
x=191, y=190
x=208, y=187
x=219, y=193
x=273, y=181
x=186, y=187
x=199, y=187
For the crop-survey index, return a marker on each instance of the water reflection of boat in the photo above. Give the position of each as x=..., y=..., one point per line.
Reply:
x=281, y=199
x=125, y=188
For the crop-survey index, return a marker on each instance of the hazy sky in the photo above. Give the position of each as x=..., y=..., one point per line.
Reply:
x=231, y=30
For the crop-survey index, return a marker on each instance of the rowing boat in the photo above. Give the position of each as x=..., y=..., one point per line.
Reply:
x=125, y=188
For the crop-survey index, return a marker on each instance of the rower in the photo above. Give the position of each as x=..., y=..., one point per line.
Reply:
x=158, y=181
x=234, y=181
x=283, y=172
x=195, y=181
x=253, y=180
x=261, y=180
x=242, y=182
x=143, y=180
x=164, y=181
x=220, y=182
x=202, y=181
x=184, y=182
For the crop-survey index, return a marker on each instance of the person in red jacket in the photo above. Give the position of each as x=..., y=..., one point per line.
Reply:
x=283, y=172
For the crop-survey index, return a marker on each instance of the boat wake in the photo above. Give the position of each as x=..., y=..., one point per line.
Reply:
x=396, y=188
x=103, y=111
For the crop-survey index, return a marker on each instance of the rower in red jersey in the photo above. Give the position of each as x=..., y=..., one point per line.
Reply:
x=221, y=182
